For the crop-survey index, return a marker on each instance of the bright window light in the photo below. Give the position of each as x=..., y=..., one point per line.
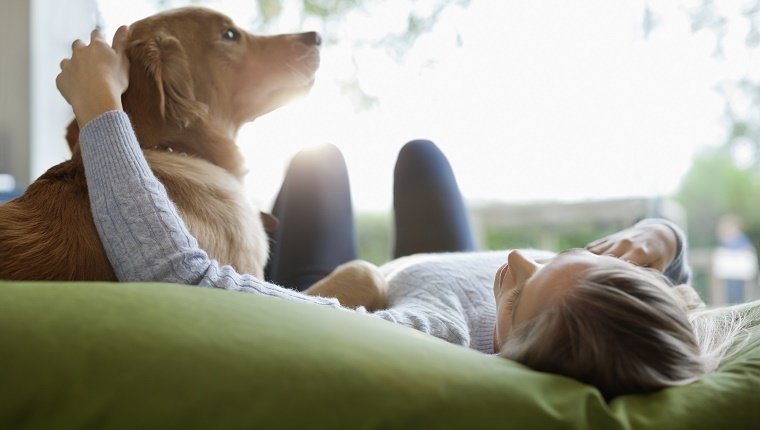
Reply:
x=549, y=100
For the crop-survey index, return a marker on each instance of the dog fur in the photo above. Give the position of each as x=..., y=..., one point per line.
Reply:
x=195, y=79
x=355, y=283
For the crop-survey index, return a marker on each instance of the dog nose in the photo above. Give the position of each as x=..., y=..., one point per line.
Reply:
x=311, y=38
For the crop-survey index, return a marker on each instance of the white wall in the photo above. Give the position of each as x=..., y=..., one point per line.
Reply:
x=34, y=36
x=14, y=87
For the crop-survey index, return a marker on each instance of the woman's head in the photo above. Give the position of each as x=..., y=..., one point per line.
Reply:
x=597, y=319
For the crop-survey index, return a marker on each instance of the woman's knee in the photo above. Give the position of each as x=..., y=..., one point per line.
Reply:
x=325, y=157
x=418, y=150
x=421, y=159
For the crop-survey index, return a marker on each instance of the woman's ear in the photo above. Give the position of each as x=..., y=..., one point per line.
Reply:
x=164, y=59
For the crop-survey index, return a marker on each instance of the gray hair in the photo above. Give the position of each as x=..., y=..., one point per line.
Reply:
x=619, y=329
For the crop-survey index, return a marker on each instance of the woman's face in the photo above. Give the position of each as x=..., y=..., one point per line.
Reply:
x=524, y=287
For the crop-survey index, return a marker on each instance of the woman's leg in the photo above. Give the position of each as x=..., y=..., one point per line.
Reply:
x=315, y=233
x=430, y=214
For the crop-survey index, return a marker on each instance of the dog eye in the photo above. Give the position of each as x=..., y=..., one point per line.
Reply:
x=231, y=34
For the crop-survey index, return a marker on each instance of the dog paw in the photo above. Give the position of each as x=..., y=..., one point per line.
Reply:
x=356, y=283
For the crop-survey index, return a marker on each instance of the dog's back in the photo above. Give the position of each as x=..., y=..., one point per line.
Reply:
x=48, y=232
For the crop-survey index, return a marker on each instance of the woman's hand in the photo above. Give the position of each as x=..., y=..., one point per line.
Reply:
x=96, y=76
x=648, y=245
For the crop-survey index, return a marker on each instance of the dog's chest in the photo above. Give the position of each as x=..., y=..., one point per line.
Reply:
x=213, y=204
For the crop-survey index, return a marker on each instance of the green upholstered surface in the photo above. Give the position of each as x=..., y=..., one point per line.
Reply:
x=139, y=356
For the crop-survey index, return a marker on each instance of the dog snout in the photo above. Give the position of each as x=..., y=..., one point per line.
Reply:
x=311, y=38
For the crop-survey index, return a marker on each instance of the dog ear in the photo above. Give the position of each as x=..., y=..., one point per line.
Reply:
x=164, y=59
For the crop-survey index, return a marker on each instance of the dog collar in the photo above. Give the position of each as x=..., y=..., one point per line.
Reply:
x=168, y=149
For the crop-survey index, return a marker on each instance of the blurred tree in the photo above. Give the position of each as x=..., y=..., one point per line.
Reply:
x=375, y=236
x=725, y=179
x=741, y=20
x=716, y=185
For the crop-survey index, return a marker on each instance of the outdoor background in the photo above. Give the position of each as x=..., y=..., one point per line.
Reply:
x=563, y=120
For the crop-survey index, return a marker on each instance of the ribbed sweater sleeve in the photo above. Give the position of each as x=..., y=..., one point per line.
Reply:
x=143, y=235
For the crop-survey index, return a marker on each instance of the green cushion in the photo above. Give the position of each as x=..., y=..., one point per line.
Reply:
x=138, y=356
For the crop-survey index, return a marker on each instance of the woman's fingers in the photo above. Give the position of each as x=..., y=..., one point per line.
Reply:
x=600, y=246
x=96, y=35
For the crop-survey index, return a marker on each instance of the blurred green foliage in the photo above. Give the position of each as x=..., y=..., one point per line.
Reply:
x=270, y=10
x=562, y=237
x=375, y=236
x=716, y=185
x=374, y=233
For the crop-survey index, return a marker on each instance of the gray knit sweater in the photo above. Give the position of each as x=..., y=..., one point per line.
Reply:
x=445, y=295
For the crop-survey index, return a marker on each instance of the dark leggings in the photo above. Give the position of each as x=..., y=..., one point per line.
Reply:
x=316, y=230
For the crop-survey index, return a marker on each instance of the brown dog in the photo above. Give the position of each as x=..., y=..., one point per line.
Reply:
x=195, y=79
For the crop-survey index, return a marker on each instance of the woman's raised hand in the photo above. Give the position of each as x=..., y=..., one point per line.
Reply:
x=94, y=78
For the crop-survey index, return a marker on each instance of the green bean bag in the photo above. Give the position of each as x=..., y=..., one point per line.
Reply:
x=158, y=356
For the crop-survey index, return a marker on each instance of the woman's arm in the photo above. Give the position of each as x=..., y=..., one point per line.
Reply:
x=653, y=242
x=143, y=235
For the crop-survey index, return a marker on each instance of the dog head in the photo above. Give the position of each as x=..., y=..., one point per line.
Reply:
x=193, y=68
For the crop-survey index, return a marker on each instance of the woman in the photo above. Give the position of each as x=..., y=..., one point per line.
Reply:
x=606, y=316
